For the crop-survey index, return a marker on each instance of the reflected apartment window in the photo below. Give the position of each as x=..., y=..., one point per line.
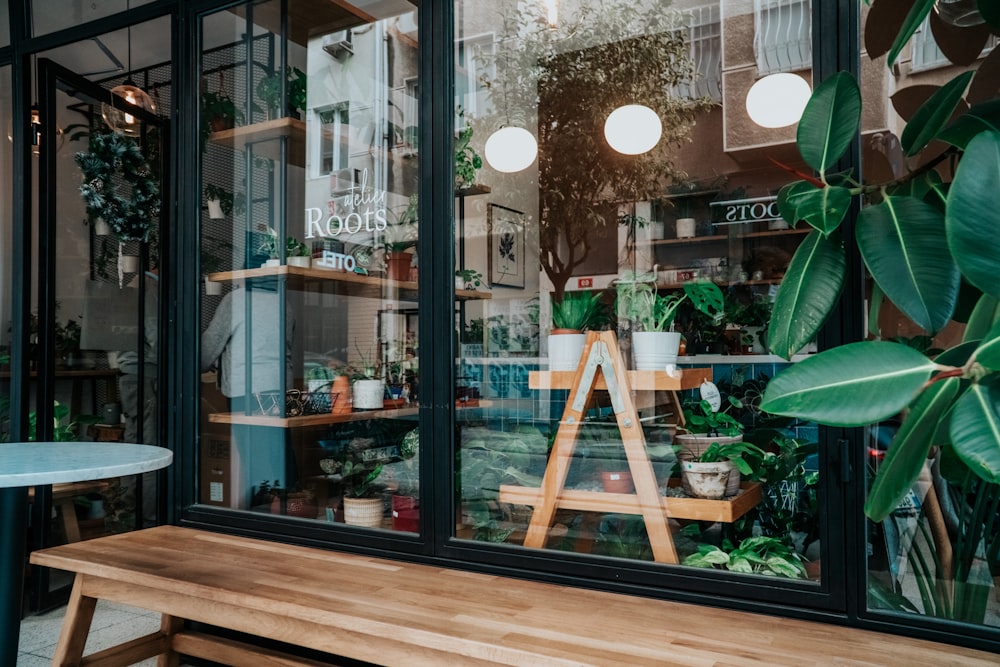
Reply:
x=334, y=138
x=705, y=49
x=473, y=68
x=927, y=55
x=783, y=35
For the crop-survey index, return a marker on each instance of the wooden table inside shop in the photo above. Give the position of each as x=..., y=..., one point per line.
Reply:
x=602, y=368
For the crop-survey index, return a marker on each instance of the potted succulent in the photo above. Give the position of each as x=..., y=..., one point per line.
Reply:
x=362, y=496
x=655, y=344
x=571, y=316
x=717, y=471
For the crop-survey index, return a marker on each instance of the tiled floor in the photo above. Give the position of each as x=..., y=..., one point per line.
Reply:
x=113, y=624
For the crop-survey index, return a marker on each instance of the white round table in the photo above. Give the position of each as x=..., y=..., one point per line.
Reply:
x=24, y=464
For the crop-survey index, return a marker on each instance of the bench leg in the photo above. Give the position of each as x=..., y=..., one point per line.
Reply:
x=169, y=626
x=76, y=627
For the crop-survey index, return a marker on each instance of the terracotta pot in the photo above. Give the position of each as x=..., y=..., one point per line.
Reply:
x=303, y=506
x=619, y=481
x=340, y=395
x=397, y=265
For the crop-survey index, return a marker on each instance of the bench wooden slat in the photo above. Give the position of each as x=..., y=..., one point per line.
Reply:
x=396, y=613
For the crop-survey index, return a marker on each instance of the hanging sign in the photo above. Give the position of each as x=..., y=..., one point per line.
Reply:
x=362, y=208
x=737, y=211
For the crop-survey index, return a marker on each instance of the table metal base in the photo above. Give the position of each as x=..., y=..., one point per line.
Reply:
x=13, y=529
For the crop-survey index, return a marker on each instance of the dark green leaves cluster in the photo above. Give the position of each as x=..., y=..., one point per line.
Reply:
x=920, y=239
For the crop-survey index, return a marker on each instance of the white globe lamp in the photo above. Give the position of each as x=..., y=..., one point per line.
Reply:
x=777, y=100
x=633, y=129
x=511, y=149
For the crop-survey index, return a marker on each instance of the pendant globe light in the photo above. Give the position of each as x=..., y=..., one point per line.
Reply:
x=122, y=121
x=633, y=129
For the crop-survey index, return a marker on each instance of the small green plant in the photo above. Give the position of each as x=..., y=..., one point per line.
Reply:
x=578, y=311
x=269, y=90
x=218, y=111
x=745, y=456
x=296, y=248
x=703, y=419
x=359, y=479
x=467, y=160
x=402, y=235
x=470, y=277
x=755, y=555
x=639, y=301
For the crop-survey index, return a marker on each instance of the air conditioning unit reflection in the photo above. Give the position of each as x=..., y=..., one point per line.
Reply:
x=338, y=44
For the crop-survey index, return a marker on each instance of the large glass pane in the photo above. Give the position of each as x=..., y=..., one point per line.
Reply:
x=6, y=255
x=308, y=228
x=934, y=542
x=606, y=227
x=52, y=15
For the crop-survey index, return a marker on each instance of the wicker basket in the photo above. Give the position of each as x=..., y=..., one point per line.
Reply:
x=363, y=512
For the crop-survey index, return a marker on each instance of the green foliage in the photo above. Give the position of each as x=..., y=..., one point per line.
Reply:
x=467, y=160
x=295, y=80
x=219, y=106
x=702, y=419
x=228, y=202
x=359, y=479
x=639, y=301
x=579, y=311
x=920, y=238
x=746, y=456
x=296, y=248
x=470, y=277
x=755, y=555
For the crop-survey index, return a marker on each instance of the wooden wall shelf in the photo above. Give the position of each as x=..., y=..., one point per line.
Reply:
x=264, y=139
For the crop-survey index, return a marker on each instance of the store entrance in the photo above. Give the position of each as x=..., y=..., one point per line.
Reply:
x=102, y=178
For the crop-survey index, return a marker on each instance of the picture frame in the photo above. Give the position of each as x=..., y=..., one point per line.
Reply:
x=505, y=238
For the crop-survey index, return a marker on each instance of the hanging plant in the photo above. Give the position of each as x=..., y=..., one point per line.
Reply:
x=133, y=213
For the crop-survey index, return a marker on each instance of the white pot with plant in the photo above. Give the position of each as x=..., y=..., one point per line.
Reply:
x=654, y=343
x=571, y=316
x=362, y=503
x=297, y=253
x=718, y=471
x=212, y=287
x=101, y=228
x=468, y=279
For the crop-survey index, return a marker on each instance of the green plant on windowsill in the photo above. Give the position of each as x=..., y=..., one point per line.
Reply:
x=296, y=248
x=579, y=311
x=746, y=457
x=755, y=555
x=470, y=278
x=640, y=302
x=402, y=235
x=359, y=479
x=467, y=160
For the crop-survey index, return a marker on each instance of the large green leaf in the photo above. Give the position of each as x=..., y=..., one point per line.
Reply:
x=933, y=114
x=984, y=316
x=829, y=121
x=902, y=242
x=988, y=353
x=808, y=292
x=973, y=215
x=980, y=118
x=975, y=429
x=920, y=10
x=905, y=458
x=850, y=385
x=788, y=200
x=823, y=208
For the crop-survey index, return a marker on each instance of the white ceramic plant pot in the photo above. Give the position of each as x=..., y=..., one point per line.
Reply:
x=565, y=350
x=212, y=288
x=101, y=228
x=303, y=262
x=706, y=480
x=655, y=350
x=685, y=228
x=215, y=209
x=128, y=263
x=272, y=262
x=775, y=225
x=368, y=394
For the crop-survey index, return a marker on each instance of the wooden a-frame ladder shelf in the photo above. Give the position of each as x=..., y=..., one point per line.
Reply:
x=602, y=368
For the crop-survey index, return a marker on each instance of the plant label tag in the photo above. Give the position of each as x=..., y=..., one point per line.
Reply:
x=710, y=393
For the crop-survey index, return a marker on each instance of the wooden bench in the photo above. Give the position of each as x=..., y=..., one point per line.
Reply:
x=394, y=613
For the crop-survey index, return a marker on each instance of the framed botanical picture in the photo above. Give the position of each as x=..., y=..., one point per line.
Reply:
x=505, y=236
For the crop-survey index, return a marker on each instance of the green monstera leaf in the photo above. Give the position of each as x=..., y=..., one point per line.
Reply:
x=851, y=385
x=900, y=241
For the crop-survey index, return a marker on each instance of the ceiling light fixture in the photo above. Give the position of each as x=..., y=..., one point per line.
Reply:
x=122, y=121
x=511, y=149
x=633, y=129
x=778, y=100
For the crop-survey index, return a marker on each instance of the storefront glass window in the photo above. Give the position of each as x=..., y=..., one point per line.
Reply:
x=308, y=230
x=933, y=498
x=5, y=26
x=51, y=15
x=573, y=214
x=6, y=234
